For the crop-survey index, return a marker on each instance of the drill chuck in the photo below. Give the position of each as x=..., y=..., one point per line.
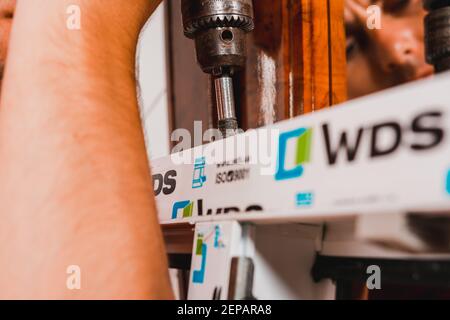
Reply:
x=219, y=28
x=437, y=34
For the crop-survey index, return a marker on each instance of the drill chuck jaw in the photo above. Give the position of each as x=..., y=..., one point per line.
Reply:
x=203, y=15
x=437, y=33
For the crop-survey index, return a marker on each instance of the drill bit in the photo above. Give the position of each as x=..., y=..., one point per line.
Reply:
x=227, y=121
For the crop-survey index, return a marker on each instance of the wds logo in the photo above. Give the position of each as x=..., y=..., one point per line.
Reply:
x=299, y=140
x=187, y=207
x=199, y=177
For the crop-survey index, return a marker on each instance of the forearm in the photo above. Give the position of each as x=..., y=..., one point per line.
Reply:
x=75, y=187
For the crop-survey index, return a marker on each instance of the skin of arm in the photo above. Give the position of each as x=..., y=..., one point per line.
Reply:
x=75, y=184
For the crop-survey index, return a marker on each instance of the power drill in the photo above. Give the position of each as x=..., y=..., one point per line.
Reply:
x=219, y=28
x=437, y=34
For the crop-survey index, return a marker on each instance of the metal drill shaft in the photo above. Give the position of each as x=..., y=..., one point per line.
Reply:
x=226, y=105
